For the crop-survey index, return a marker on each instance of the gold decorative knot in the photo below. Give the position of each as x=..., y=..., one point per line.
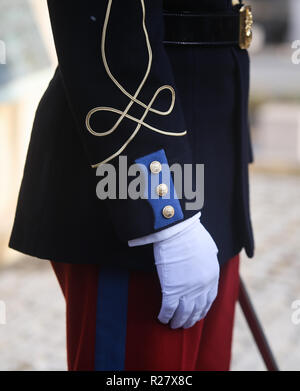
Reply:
x=132, y=98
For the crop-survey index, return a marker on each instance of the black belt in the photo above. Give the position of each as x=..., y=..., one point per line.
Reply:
x=207, y=30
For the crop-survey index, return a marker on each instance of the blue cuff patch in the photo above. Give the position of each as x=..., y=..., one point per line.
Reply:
x=159, y=189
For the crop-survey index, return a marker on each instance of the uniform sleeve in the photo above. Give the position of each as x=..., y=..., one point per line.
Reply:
x=121, y=90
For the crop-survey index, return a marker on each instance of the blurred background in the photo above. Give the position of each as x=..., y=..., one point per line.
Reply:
x=32, y=329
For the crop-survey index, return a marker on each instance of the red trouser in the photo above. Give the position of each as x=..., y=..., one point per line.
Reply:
x=112, y=322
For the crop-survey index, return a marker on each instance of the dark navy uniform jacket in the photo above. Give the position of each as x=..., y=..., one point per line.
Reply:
x=118, y=89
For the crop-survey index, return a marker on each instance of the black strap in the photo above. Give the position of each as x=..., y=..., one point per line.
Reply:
x=196, y=29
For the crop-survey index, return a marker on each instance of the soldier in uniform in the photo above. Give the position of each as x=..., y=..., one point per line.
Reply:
x=149, y=283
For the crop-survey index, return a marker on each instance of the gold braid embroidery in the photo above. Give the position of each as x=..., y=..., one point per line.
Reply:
x=133, y=99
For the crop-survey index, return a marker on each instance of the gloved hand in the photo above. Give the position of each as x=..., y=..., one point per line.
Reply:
x=188, y=271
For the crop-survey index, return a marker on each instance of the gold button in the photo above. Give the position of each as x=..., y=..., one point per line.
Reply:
x=162, y=189
x=168, y=212
x=155, y=167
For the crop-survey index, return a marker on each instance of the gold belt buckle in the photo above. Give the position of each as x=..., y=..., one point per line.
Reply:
x=246, y=22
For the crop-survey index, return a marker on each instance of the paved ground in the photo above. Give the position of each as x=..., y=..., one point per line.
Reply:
x=272, y=276
x=34, y=338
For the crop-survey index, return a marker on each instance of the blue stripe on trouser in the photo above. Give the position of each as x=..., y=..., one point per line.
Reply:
x=111, y=319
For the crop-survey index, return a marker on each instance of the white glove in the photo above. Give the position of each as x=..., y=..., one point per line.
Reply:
x=188, y=270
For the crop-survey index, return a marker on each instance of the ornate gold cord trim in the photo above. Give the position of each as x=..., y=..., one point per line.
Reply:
x=133, y=99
